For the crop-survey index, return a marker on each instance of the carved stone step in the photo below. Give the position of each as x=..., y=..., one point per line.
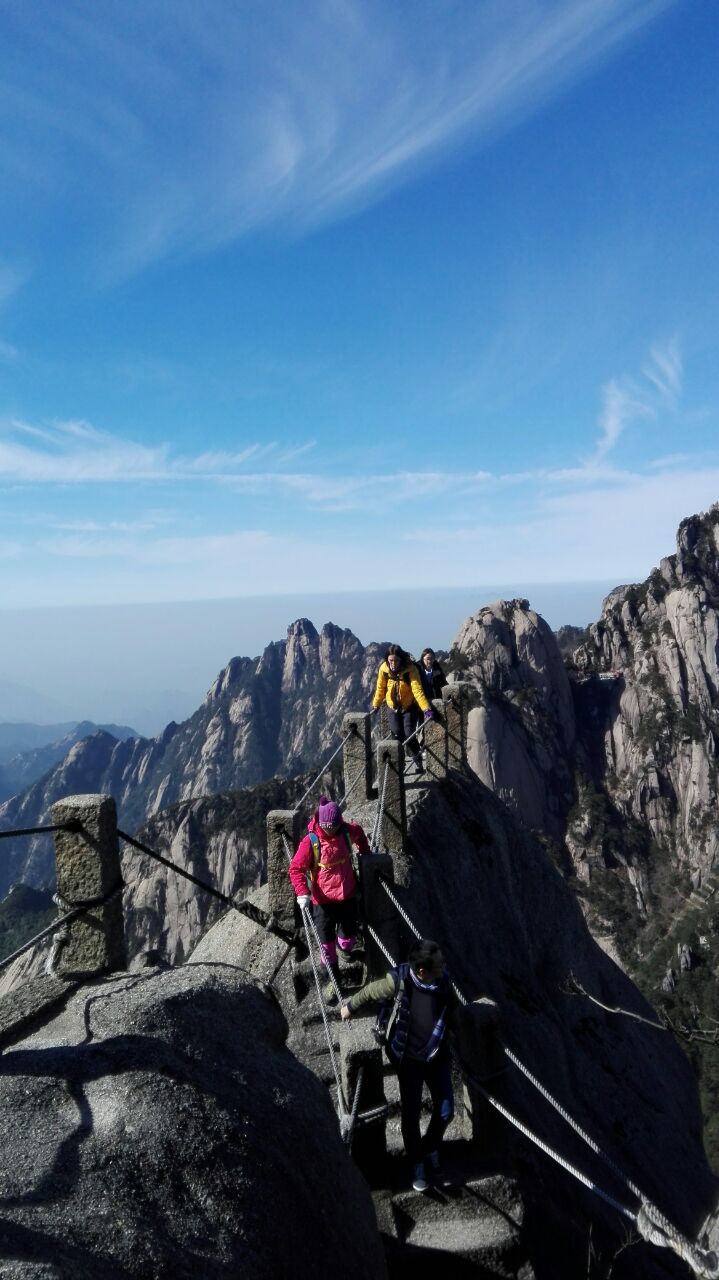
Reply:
x=480, y=1221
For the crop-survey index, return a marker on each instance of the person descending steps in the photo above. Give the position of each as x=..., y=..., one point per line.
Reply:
x=399, y=685
x=418, y=1006
x=323, y=876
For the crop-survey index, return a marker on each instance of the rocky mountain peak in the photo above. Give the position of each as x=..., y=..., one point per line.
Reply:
x=301, y=661
x=697, y=555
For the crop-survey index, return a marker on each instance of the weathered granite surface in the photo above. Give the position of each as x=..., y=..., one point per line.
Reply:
x=159, y=1127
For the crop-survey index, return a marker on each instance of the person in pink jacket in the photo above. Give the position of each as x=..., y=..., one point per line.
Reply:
x=322, y=876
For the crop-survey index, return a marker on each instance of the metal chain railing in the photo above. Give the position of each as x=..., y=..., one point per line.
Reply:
x=61, y=922
x=341, y=1104
x=380, y=808
x=357, y=778
x=73, y=825
x=243, y=906
x=322, y=771
x=652, y=1224
x=310, y=928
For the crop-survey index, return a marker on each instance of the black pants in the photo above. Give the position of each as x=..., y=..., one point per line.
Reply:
x=402, y=725
x=332, y=918
x=412, y=1076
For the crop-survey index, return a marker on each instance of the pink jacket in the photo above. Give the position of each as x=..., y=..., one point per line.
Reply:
x=334, y=879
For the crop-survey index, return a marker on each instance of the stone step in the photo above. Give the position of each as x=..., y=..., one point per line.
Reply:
x=479, y=1221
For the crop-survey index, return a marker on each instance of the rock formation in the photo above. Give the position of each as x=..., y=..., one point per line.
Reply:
x=158, y=1127
x=274, y=715
x=615, y=755
x=522, y=727
x=511, y=927
x=19, y=769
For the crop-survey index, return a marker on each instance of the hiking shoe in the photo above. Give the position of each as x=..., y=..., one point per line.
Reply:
x=328, y=991
x=419, y=1181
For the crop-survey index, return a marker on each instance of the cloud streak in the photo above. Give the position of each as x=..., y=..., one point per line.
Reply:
x=197, y=124
x=77, y=453
x=626, y=400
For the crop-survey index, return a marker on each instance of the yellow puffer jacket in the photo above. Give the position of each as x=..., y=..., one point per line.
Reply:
x=399, y=689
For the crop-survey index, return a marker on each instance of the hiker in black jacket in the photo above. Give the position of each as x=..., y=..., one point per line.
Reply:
x=431, y=675
x=420, y=1004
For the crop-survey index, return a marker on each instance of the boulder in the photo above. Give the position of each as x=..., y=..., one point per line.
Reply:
x=159, y=1126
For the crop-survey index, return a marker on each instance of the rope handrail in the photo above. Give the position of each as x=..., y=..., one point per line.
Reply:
x=79, y=910
x=350, y=1121
x=72, y=825
x=310, y=928
x=380, y=808
x=322, y=771
x=652, y=1224
x=413, y=734
x=243, y=906
x=358, y=776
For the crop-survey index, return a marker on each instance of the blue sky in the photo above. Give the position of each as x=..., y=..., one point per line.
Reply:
x=352, y=294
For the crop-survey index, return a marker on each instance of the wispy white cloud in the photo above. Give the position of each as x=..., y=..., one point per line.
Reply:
x=622, y=404
x=77, y=453
x=626, y=400
x=196, y=124
x=561, y=536
x=664, y=369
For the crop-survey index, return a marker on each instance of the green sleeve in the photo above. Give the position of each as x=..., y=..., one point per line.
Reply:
x=374, y=992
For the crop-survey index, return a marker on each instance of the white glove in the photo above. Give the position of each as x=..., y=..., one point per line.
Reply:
x=303, y=901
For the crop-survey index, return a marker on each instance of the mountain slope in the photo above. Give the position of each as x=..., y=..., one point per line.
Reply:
x=262, y=717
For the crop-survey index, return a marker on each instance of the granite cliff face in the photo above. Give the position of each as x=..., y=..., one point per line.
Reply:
x=610, y=754
x=271, y=716
x=521, y=726
x=614, y=752
x=475, y=879
x=656, y=748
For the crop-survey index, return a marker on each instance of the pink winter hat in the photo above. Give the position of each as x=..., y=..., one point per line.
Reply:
x=328, y=813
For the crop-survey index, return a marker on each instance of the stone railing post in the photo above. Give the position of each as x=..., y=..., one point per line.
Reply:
x=435, y=741
x=393, y=827
x=88, y=868
x=378, y=912
x=281, y=895
x=357, y=755
x=478, y=1042
x=358, y=1049
x=455, y=710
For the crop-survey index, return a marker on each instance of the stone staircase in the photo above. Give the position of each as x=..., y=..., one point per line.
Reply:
x=473, y=1225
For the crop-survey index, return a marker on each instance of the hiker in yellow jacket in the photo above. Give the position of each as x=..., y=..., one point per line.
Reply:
x=399, y=685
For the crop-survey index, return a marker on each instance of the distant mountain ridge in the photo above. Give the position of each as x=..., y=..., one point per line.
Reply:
x=20, y=768
x=19, y=736
x=275, y=715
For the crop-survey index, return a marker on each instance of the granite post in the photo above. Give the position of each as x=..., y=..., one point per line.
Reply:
x=87, y=855
x=379, y=913
x=435, y=741
x=455, y=710
x=357, y=756
x=282, y=825
x=390, y=783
